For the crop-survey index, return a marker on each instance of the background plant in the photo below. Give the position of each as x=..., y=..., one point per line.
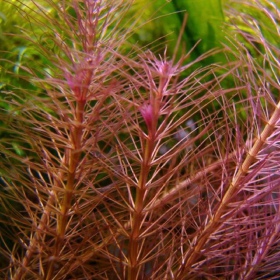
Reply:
x=135, y=165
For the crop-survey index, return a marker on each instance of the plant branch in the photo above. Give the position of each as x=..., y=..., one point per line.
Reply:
x=217, y=219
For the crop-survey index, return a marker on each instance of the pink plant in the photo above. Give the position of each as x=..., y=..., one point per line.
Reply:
x=137, y=166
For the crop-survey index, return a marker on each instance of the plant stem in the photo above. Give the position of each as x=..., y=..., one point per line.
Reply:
x=192, y=256
x=33, y=244
x=73, y=162
x=137, y=220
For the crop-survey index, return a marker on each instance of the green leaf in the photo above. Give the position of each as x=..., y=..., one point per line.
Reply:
x=204, y=24
x=17, y=149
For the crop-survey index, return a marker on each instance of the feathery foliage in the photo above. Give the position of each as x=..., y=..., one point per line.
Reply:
x=116, y=165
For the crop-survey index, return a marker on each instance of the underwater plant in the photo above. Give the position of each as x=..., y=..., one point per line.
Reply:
x=118, y=163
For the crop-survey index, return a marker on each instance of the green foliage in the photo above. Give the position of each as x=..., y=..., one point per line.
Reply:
x=205, y=24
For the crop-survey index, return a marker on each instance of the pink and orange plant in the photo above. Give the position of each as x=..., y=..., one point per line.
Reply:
x=137, y=166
